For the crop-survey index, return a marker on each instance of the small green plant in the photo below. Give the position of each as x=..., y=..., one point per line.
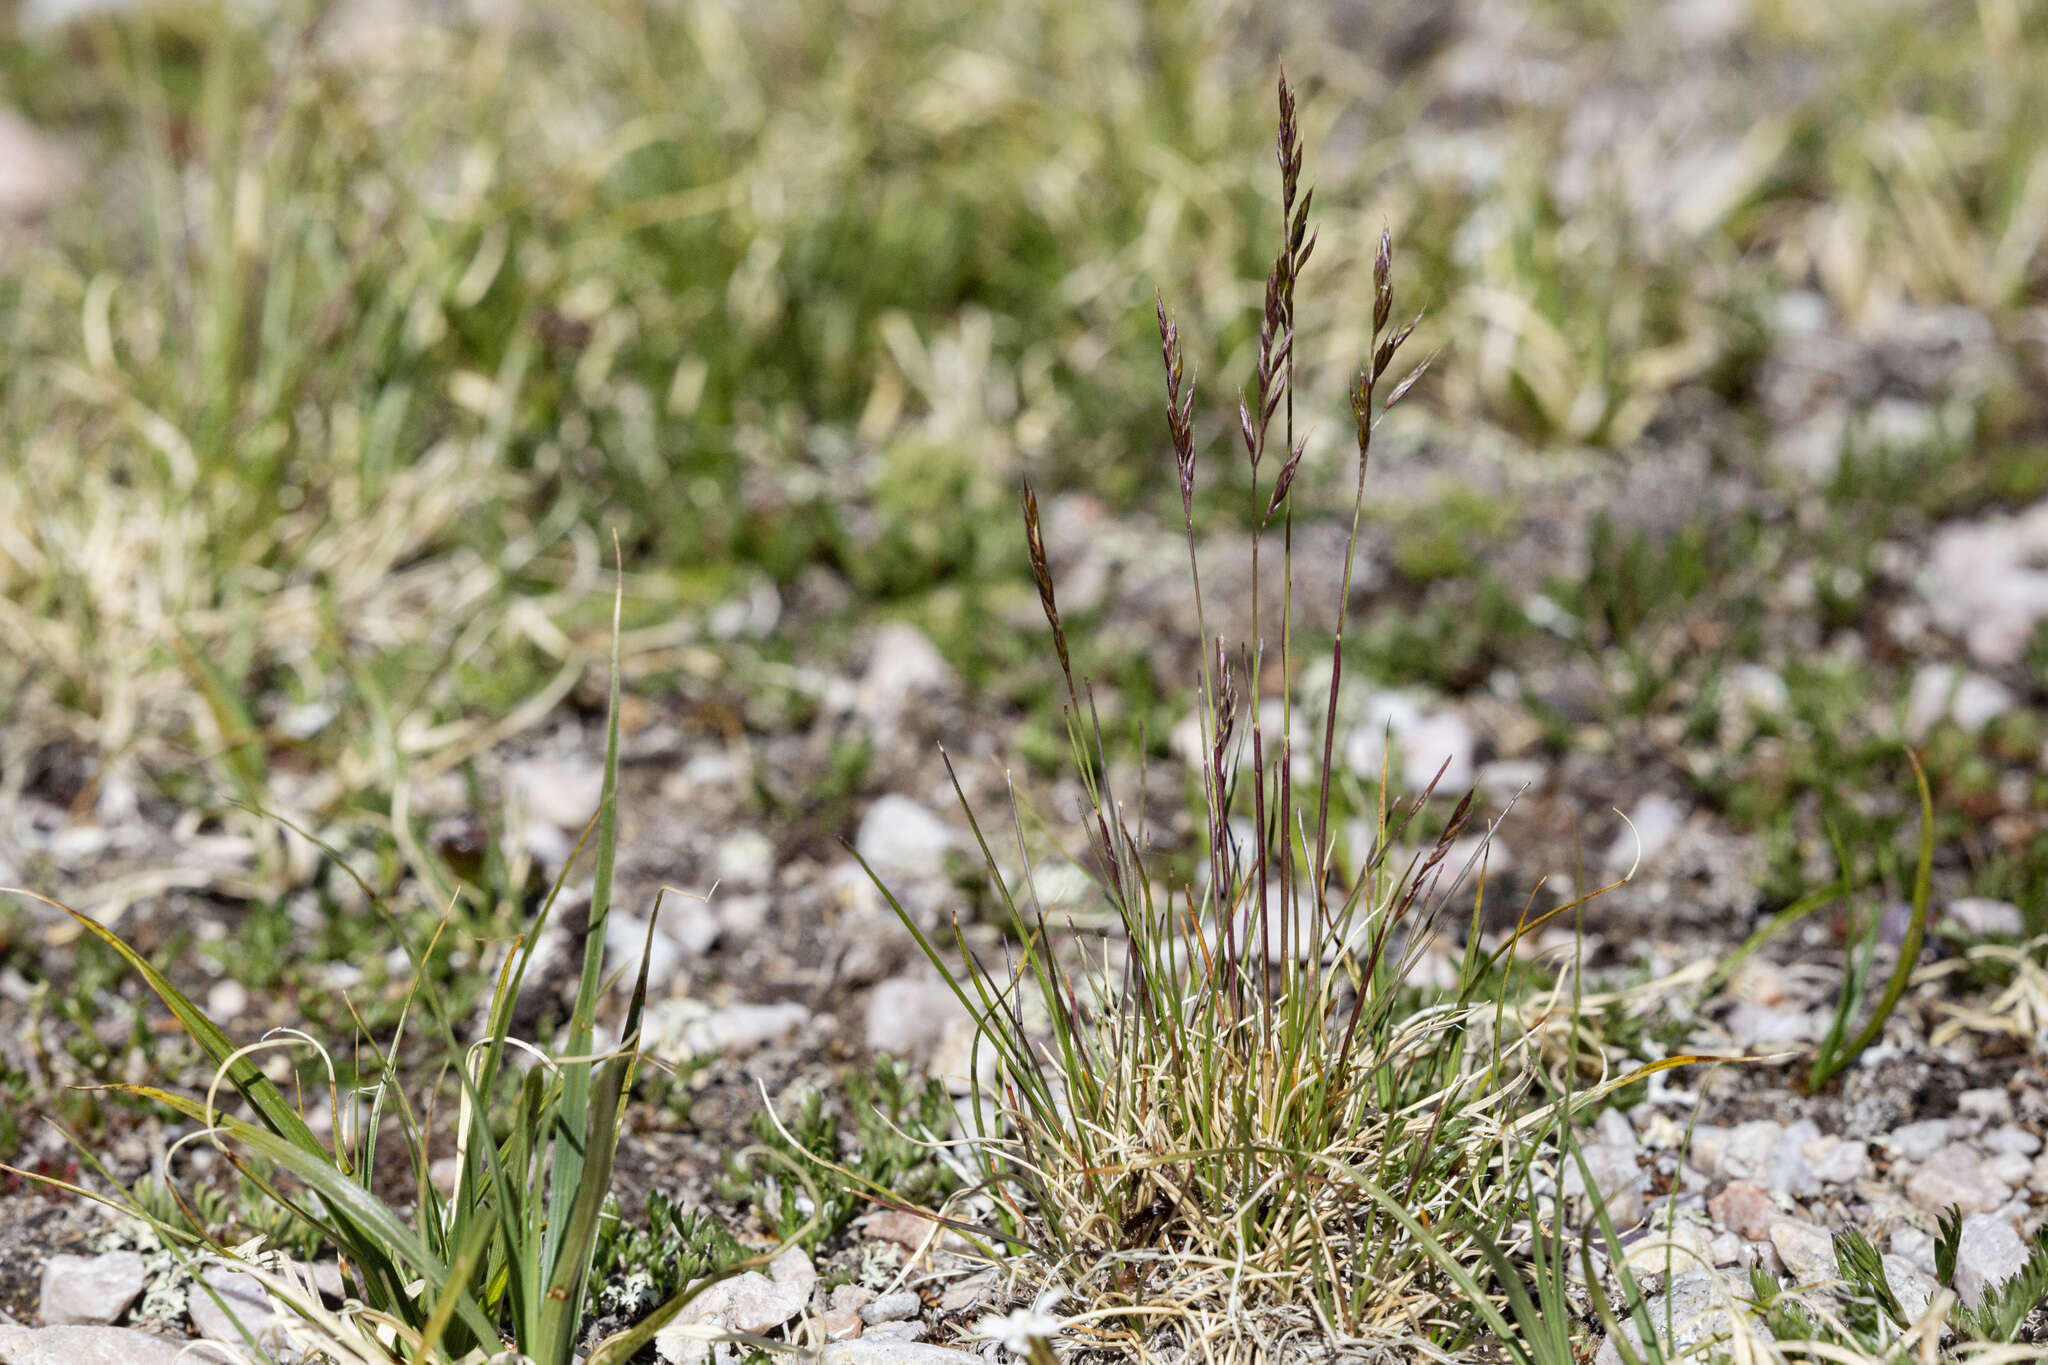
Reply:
x=1838, y=1048
x=504, y=1259
x=2005, y=1308
x=897, y=1125
x=638, y=1268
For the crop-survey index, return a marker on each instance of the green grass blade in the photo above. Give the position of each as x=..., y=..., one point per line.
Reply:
x=241, y=1071
x=1826, y=1069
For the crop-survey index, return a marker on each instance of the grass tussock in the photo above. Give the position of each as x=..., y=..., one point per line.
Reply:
x=1244, y=1111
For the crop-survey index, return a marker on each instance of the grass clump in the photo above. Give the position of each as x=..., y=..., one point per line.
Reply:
x=1242, y=1114
x=503, y=1259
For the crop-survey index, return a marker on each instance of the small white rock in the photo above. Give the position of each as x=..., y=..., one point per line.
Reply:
x=1956, y=1175
x=1913, y=1288
x=745, y=859
x=908, y=1016
x=82, y=1290
x=1982, y=918
x=863, y=1351
x=564, y=792
x=242, y=1301
x=1944, y=692
x=892, y=1308
x=34, y=172
x=904, y=667
x=1747, y=1153
x=1614, y=1129
x=1698, y=1308
x=1838, y=1161
x=1790, y=1172
x=1918, y=1141
x=1988, y=1105
x=1651, y=827
x=1618, y=1177
x=1440, y=740
x=2008, y=1138
x=901, y=839
x=1988, y=1253
x=1807, y=1251
x=2009, y=1168
x=681, y=1029
x=750, y=1302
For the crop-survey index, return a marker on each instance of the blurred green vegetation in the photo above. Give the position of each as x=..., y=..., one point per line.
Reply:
x=322, y=394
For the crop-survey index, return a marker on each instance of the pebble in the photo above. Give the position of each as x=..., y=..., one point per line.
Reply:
x=1616, y=1175
x=1956, y=1175
x=745, y=859
x=1914, y=1247
x=840, y=1324
x=1651, y=827
x=626, y=940
x=83, y=1290
x=564, y=792
x=1943, y=692
x=2008, y=1138
x=1746, y=1153
x=901, y=839
x=1981, y=582
x=1789, y=1170
x=104, y=1346
x=867, y=1351
x=1914, y=1288
x=1988, y=1105
x=1918, y=1141
x=682, y=1029
x=1982, y=918
x=1753, y=689
x=1506, y=777
x=1988, y=1253
x=1613, y=1129
x=1686, y=1247
x=904, y=1331
x=906, y=1230
x=1440, y=740
x=1426, y=740
x=1706, y=1144
x=1697, y=1308
x=34, y=173
x=1744, y=1208
x=842, y=1318
x=243, y=1304
x=1807, y=1251
x=1772, y=1026
x=967, y=1293
x=1838, y=1161
x=892, y=1308
x=904, y=666
x=908, y=1016
x=852, y=1297
x=750, y=1302
x=2009, y=1167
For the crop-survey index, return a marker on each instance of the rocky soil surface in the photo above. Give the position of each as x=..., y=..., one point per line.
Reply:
x=1666, y=751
